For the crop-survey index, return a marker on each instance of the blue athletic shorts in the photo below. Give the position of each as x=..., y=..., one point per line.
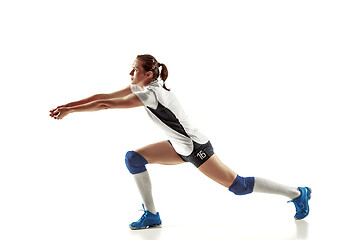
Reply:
x=200, y=154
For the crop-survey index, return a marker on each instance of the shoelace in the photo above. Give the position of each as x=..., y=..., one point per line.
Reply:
x=144, y=215
x=298, y=205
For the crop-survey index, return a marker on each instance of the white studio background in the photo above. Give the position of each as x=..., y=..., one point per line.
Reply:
x=273, y=84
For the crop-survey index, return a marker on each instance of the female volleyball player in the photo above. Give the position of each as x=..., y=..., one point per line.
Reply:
x=185, y=144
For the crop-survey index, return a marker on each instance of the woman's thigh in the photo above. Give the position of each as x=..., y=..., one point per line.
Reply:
x=160, y=153
x=218, y=171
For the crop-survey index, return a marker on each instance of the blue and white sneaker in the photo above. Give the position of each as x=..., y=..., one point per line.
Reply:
x=147, y=220
x=302, y=203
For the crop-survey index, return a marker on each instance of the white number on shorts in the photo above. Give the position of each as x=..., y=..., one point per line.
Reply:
x=201, y=155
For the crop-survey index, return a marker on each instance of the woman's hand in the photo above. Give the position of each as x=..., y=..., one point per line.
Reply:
x=59, y=112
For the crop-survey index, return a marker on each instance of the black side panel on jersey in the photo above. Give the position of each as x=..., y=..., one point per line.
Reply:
x=168, y=118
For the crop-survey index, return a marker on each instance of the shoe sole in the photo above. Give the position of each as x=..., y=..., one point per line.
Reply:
x=151, y=226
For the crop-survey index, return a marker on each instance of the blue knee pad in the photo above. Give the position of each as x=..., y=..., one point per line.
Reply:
x=135, y=162
x=242, y=186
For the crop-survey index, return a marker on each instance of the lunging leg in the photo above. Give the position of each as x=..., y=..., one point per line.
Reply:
x=161, y=153
x=219, y=172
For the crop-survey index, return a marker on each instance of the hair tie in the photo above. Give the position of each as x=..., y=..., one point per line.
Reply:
x=160, y=64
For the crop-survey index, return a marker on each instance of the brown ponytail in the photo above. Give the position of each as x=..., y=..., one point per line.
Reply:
x=164, y=74
x=149, y=63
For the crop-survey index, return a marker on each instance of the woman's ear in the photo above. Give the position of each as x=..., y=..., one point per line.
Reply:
x=149, y=74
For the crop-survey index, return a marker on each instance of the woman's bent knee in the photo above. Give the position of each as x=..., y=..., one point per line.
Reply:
x=242, y=186
x=135, y=162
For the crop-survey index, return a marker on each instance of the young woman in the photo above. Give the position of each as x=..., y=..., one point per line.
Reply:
x=185, y=144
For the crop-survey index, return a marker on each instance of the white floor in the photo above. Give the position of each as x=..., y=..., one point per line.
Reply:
x=229, y=231
x=255, y=217
x=269, y=229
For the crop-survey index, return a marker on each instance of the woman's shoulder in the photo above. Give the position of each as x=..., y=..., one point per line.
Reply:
x=155, y=84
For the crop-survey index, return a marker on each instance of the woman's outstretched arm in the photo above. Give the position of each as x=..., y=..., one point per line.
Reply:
x=122, y=93
x=129, y=101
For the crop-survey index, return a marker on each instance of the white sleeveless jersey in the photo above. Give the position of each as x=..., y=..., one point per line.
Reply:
x=165, y=110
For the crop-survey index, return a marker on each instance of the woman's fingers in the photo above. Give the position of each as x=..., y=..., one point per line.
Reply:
x=54, y=112
x=54, y=109
x=59, y=112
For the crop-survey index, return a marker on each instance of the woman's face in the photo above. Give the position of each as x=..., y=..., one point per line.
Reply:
x=138, y=75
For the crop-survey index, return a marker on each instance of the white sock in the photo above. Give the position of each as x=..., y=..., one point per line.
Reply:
x=266, y=186
x=144, y=184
